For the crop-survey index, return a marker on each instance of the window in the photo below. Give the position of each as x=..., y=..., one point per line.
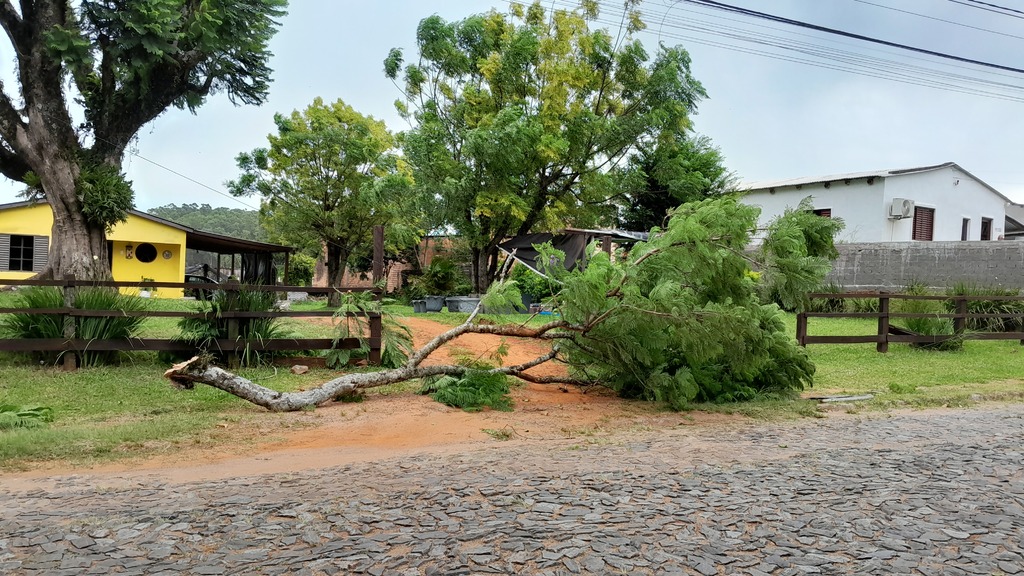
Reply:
x=924, y=223
x=986, y=228
x=965, y=229
x=823, y=212
x=23, y=253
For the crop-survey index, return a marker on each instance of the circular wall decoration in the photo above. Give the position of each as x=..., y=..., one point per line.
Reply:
x=167, y=254
x=145, y=252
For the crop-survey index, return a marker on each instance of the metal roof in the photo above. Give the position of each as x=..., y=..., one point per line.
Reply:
x=805, y=181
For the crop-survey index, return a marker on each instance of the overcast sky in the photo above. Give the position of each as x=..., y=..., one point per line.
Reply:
x=773, y=117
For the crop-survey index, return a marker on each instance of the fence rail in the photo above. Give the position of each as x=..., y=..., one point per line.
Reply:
x=234, y=346
x=887, y=333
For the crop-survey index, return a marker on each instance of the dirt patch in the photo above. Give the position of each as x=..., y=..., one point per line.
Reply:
x=390, y=425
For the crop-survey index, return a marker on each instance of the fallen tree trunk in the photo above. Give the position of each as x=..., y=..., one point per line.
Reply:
x=198, y=370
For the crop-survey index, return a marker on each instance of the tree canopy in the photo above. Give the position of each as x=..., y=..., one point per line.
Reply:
x=123, y=64
x=328, y=177
x=519, y=117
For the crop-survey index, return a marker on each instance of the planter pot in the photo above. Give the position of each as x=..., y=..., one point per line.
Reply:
x=462, y=303
x=419, y=306
x=434, y=303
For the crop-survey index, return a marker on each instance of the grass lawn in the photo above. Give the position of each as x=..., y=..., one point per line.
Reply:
x=130, y=410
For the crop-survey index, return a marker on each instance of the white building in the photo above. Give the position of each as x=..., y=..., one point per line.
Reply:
x=943, y=202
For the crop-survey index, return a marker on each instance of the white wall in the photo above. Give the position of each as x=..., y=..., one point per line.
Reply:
x=865, y=207
x=858, y=203
x=954, y=196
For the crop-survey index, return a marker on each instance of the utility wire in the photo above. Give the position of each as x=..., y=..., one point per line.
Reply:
x=809, y=26
x=953, y=22
x=969, y=5
x=191, y=179
x=996, y=6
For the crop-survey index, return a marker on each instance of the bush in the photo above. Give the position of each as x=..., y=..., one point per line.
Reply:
x=204, y=332
x=28, y=325
x=300, y=270
x=472, y=392
x=443, y=278
x=988, y=307
x=828, y=304
x=532, y=284
x=926, y=326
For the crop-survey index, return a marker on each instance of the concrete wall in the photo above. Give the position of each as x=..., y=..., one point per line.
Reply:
x=891, y=265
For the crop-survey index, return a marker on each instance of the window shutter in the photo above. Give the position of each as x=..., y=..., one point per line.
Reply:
x=5, y=252
x=40, y=252
x=823, y=212
x=924, y=222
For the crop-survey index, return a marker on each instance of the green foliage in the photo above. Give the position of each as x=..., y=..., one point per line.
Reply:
x=927, y=326
x=472, y=392
x=32, y=325
x=828, y=304
x=300, y=270
x=12, y=416
x=530, y=283
x=1005, y=307
x=396, y=338
x=442, y=277
x=105, y=194
x=679, y=320
x=667, y=172
x=518, y=117
x=203, y=332
x=328, y=177
x=234, y=222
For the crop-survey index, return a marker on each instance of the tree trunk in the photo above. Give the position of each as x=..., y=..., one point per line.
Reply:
x=76, y=247
x=337, y=259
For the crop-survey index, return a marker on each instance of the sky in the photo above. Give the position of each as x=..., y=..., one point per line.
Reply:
x=784, y=102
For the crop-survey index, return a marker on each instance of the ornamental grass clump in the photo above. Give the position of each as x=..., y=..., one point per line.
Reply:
x=29, y=325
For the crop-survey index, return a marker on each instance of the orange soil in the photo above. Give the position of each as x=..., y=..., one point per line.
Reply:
x=384, y=426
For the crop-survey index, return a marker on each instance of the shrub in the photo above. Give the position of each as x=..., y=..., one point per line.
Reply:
x=396, y=338
x=30, y=325
x=12, y=416
x=924, y=325
x=988, y=307
x=471, y=392
x=442, y=277
x=300, y=270
x=204, y=332
x=533, y=284
x=828, y=304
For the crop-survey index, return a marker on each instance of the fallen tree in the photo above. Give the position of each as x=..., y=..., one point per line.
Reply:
x=680, y=318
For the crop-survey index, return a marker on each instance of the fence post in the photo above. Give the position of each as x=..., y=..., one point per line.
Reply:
x=801, y=329
x=231, y=305
x=883, y=324
x=70, y=360
x=960, y=321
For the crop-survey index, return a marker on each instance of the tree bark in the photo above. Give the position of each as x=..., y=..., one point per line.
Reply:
x=198, y=370
x=337, y=260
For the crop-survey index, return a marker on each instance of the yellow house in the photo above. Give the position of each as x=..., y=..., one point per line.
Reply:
x=144, y=247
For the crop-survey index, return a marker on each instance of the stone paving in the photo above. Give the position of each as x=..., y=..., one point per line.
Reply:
x=921, y=493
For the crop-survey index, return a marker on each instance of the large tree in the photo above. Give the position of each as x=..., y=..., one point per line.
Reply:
x=329, y=176
x=121, y=63
x=680, y=168
x=519, y=117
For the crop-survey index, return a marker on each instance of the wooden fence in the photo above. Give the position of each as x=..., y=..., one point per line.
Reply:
x=233, y=345
x=887, y=333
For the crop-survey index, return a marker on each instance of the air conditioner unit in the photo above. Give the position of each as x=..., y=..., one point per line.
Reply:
x=901, y=208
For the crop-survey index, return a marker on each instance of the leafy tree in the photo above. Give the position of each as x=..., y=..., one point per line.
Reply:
x=520, y=117
x=677, y=319
x=234, y=222
x=124, y=63
x=680, y=168
x=329, y=176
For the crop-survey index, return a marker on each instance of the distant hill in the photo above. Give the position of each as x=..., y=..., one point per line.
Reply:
x=234, y=222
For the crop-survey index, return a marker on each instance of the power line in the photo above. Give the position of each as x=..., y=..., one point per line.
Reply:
x=809, y=26
x=1001, y=13
x=190, y=179
x=996, y=6
x=937, y=19
x=845, y=61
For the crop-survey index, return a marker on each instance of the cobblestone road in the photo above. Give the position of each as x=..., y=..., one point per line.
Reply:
x=921, y=493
